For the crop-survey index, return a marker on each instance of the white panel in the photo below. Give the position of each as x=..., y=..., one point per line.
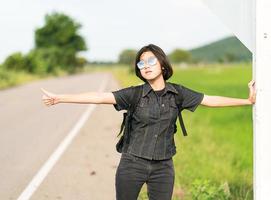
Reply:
x=262, y=127
x=237, y=15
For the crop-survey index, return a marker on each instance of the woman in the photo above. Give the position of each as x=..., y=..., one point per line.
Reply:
x=148, y=157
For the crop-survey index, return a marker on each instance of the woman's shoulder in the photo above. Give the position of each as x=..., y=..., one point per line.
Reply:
x=177, y=86
x=174, y=83
x=133, y=87
x=129, y=91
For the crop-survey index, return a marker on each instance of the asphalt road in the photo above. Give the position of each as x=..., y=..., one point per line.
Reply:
x=30, y=132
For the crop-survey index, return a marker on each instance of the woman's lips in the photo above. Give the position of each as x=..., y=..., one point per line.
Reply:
x=148, y=72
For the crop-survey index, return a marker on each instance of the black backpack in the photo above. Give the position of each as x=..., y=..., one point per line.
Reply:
x=127, y=116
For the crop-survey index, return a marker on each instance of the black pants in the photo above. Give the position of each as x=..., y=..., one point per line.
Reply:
x=133, y=172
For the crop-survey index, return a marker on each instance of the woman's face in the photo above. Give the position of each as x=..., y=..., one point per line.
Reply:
x=150, y=72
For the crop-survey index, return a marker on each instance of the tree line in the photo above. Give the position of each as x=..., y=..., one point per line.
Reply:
x=57, y=45
x=127, y=56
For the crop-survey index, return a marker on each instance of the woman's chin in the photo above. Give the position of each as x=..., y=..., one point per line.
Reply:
x=152, y=77
x=148, y=77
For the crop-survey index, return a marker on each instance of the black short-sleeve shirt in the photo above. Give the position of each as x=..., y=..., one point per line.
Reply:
x=152, y=128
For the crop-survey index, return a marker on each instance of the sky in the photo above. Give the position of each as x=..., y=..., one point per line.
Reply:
x=111, y=26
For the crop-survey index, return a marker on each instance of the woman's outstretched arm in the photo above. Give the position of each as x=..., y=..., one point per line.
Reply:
x=220, y=101
x=50, y=99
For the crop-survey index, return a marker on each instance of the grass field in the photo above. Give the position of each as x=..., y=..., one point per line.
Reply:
x=9, y=78
x=219, y=146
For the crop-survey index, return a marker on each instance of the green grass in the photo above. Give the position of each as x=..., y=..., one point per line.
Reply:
x=219, y=146
x=10, y=78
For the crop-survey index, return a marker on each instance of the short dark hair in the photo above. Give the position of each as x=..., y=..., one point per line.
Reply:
x=160, y=55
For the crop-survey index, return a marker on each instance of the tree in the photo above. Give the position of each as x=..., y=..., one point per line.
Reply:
x=127, y=56
x=60, y=34
x=60, y=31
x=179, y=55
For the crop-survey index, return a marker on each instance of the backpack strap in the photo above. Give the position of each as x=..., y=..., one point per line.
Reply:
x=137, y=93
x=122, y=123
x=179, y=101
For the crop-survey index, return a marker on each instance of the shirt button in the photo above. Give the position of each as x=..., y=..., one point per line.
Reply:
x=163, y=105
x=155, y=135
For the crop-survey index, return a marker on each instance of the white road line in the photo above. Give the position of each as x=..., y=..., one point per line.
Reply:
x=45, y=169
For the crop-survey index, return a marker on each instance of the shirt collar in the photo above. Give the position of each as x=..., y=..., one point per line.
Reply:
x=168, y=87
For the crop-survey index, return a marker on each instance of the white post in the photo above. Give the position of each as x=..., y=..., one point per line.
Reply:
x=262, y=110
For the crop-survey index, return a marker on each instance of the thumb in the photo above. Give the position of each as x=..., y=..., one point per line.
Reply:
x=45, y=92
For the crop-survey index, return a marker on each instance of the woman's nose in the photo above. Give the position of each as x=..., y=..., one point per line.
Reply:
x=146, y=66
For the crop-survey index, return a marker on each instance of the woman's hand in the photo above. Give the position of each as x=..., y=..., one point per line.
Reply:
x=252, y=92
x=49, y=98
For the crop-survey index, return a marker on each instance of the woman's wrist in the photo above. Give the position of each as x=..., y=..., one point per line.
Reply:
x=249, y=101
x=58, y=99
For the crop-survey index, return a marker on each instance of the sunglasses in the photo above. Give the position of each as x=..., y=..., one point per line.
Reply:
x=151, y=61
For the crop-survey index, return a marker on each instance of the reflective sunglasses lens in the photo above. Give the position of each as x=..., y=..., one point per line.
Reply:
x=152, y=61
x=140, y=65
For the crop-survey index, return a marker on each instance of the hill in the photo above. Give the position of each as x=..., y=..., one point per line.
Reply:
x=229, y=49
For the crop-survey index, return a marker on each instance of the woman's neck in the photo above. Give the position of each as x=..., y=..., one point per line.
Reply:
x=157, y=84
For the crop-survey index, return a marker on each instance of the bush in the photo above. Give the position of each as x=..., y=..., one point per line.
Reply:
x=15, y=62
x=204, y=190
x=50, y=60
x=179, y=55
x=80, y=62
x=45, y=60
x=127, y=57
